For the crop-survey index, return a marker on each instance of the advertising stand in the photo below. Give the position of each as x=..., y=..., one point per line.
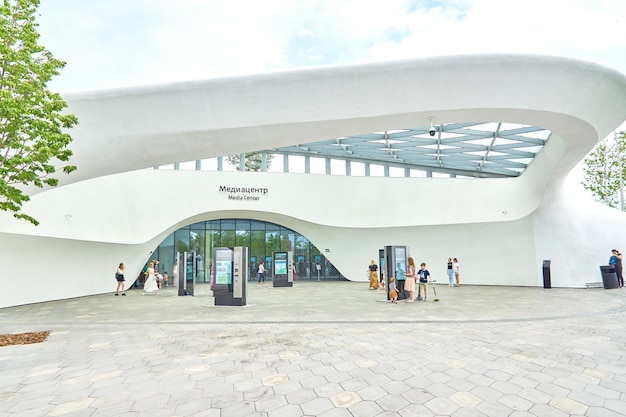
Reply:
x=186, y=262
x=282, y=269
x=395, y=264
x=231, y=276
x=381, y=266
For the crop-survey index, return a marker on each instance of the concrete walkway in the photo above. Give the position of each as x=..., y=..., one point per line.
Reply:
x=321, y=349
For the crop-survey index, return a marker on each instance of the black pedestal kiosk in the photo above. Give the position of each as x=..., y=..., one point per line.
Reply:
x=186, y=271
x=231, y=276
x=547, y=280
x=282, y=269
x=395, y=266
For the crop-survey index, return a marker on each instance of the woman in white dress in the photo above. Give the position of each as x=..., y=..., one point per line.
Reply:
x=151, y=284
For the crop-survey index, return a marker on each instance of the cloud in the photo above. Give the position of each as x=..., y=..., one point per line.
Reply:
x=122, y=43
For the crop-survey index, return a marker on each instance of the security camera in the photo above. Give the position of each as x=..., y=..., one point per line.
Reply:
x=432, y=129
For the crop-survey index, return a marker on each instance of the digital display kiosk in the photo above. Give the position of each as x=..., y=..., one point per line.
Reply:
x=395, y=264
x=282, y=270
x=381, y=265
x=231, y=276
x=187, y=272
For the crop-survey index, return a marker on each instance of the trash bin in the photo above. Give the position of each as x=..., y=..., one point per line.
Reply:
x=609, y=277
x=547, y=281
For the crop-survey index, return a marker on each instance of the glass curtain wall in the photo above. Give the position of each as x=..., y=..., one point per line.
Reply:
x=262, y=238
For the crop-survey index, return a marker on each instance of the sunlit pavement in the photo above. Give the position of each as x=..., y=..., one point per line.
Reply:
x=321, y=349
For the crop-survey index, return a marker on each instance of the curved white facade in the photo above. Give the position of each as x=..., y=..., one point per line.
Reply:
x=500, y=229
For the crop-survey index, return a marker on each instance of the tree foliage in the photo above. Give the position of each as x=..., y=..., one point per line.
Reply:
x=252, y=161
x=33, y=138
x=602, y=173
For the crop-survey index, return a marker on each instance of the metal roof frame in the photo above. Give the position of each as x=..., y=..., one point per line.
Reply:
x=479, y=149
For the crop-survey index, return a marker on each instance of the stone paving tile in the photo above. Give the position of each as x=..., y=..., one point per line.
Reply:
x=300, y=396
x=316, y=406
x=535, y=396
x=365, y=409
x=287, y=387
x=515, y=402
x=70, y=407
x=547, y=411
x=602, y=412
x=546, y=353
x=336, y=412
x=285, y=411
x=494, y=408
x=465, y=399
x=461, y=385
x=616, y=405
x=111, y=409
x=392, y=402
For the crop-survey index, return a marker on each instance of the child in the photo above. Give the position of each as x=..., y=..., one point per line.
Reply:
x=393, y=293
x=423, y=284
x=165, y=278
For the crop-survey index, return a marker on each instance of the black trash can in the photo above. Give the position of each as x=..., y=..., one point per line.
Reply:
x=609, y=277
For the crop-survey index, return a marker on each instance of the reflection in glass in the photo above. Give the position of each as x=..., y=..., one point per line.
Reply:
x=263, y=238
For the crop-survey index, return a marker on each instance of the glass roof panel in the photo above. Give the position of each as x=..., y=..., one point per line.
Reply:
x=480, y=149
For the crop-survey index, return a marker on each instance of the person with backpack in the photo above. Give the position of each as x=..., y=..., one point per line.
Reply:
x=616, y=261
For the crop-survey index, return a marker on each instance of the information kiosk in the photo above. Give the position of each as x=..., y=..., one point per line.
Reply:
x=282, y=269
x=186, y=272
x=231, y=276
x=381, y=266
x=395, y=264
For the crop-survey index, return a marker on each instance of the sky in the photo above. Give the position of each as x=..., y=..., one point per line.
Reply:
x=121, y=43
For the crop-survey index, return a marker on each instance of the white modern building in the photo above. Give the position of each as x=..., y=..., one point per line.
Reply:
x=464, y=156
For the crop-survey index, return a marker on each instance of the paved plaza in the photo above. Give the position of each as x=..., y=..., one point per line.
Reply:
x=320, y=349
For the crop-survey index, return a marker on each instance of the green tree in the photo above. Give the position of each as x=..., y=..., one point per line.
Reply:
x=181, y=246
x=601, y=170
x=252, y=161
x=33, y=138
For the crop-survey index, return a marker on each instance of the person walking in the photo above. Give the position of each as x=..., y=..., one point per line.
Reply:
x=373, y=271
x=151, y=284
x=616, y=261
x=119, y=276
x=261, y=272
x=450, y=273
x=457, y=271
x=409, y=280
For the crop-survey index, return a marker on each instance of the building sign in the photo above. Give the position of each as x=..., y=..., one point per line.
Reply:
x=243, y=193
